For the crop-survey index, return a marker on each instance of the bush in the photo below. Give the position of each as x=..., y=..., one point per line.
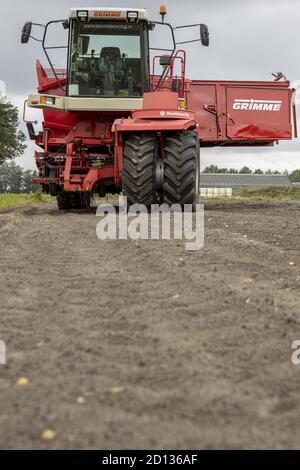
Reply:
x=37, y=196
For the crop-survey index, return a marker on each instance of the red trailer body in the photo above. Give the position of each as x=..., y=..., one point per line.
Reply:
x=242, y=113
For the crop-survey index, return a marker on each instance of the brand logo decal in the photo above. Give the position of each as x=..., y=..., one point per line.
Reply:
x=174, y=113
x=114, y=14
x=257, y=105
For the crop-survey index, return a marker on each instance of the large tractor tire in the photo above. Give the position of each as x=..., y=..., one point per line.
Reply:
x=140, y=154
x=69, y=200
x=181, y=168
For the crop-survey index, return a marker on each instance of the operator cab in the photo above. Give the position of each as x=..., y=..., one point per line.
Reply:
x=108, y=53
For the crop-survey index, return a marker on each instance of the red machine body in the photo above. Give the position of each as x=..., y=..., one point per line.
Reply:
x=226, y=113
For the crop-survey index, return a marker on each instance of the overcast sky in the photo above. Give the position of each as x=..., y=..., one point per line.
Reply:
x=249, y=41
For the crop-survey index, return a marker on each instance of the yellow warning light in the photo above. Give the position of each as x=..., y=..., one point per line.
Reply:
x=162, y=9
x=48, y=100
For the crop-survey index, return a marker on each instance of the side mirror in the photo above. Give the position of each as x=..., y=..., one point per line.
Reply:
x=204, y=34
x=26, y=31
x=66, y=24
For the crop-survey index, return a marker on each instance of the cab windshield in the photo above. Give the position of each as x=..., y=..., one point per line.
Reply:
x=106, y=59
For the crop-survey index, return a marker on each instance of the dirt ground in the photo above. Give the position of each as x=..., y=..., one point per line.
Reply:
x=145, y=345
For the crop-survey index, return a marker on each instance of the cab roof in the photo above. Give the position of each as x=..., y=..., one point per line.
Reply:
x=112, y=13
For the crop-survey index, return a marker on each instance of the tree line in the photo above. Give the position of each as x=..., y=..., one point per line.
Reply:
x=12, y=139
x=294, y=176
x=13, y=179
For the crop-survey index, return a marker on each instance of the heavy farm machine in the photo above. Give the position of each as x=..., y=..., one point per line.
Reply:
x=121, y=118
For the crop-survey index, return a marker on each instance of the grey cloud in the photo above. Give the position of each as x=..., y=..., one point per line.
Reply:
x=249, y=40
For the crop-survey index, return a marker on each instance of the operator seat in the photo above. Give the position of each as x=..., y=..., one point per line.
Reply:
x=111, y=62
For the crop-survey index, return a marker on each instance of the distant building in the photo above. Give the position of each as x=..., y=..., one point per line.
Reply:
x=233, y=181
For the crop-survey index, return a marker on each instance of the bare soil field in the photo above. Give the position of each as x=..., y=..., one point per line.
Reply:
x=131, y=345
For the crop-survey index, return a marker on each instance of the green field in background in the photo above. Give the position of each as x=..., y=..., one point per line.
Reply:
x=268, y=194
x=10, y=200
x=247, y=194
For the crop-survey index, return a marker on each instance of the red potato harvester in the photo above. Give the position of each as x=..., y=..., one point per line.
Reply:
x=116, y=121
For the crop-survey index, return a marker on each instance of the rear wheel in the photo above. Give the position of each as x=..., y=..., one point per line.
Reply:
x=84, y=200
x=181, y=168
x=67, y=200
x=140, y=154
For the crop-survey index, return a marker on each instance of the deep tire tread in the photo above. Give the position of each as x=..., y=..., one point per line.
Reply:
x=139, y=168
x=181, y=160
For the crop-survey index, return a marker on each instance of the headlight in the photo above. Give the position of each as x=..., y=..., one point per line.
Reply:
x=132, y=16
x=82, y=15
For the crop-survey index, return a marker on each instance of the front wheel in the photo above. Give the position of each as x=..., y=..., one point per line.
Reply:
x=140, y=154
x=181, y=168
